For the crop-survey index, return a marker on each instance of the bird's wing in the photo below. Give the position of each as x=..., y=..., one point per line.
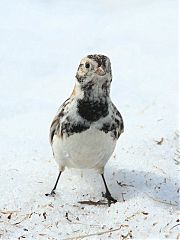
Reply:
x=55, y=128
x=119, y=121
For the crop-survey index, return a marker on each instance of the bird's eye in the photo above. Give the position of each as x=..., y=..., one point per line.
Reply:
x=87, y=65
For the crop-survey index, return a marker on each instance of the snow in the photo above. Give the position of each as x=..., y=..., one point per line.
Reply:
x=41, y=45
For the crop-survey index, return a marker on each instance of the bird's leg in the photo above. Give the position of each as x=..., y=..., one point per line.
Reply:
x=107, y=194
x=54, y=188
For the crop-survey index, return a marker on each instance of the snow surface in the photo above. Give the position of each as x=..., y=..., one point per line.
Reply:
x=41, y=44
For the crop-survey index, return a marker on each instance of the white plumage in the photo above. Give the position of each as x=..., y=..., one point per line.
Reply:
x=89, y=149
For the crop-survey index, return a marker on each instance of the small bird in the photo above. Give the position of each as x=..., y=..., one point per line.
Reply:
x=87, y=126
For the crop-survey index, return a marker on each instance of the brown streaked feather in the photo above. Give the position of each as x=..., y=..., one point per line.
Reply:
x=54, y=128
x=56, y=123
x=73, y=94
x=119, y=120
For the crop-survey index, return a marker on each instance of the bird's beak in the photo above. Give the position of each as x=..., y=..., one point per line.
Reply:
x=100, y=71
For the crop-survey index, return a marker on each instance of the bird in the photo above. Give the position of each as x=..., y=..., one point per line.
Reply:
x=85, y=130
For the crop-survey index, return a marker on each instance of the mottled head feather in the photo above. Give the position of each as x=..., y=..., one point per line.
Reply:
x=94, y=68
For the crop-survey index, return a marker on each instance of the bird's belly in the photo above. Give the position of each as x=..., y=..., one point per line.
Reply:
x=89, y=149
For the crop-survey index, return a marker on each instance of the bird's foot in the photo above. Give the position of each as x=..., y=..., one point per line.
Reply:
x=51, y=194
x=110, y=199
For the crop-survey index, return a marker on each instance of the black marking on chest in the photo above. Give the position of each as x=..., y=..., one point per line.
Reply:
x=115, y=127
x=92, y=110
x=69, y=127
x=110, y=127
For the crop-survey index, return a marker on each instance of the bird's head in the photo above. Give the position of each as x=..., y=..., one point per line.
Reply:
x=94, y=70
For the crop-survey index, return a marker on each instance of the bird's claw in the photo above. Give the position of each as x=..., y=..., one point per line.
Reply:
x=109, y=198
x=52, y=194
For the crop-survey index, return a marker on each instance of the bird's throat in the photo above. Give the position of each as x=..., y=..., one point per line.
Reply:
x=93, y=105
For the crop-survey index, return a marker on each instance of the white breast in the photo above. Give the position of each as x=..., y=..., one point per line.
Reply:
x=89, y=149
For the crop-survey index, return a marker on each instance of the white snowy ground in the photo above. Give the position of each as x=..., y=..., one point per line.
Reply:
x=41, y=44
